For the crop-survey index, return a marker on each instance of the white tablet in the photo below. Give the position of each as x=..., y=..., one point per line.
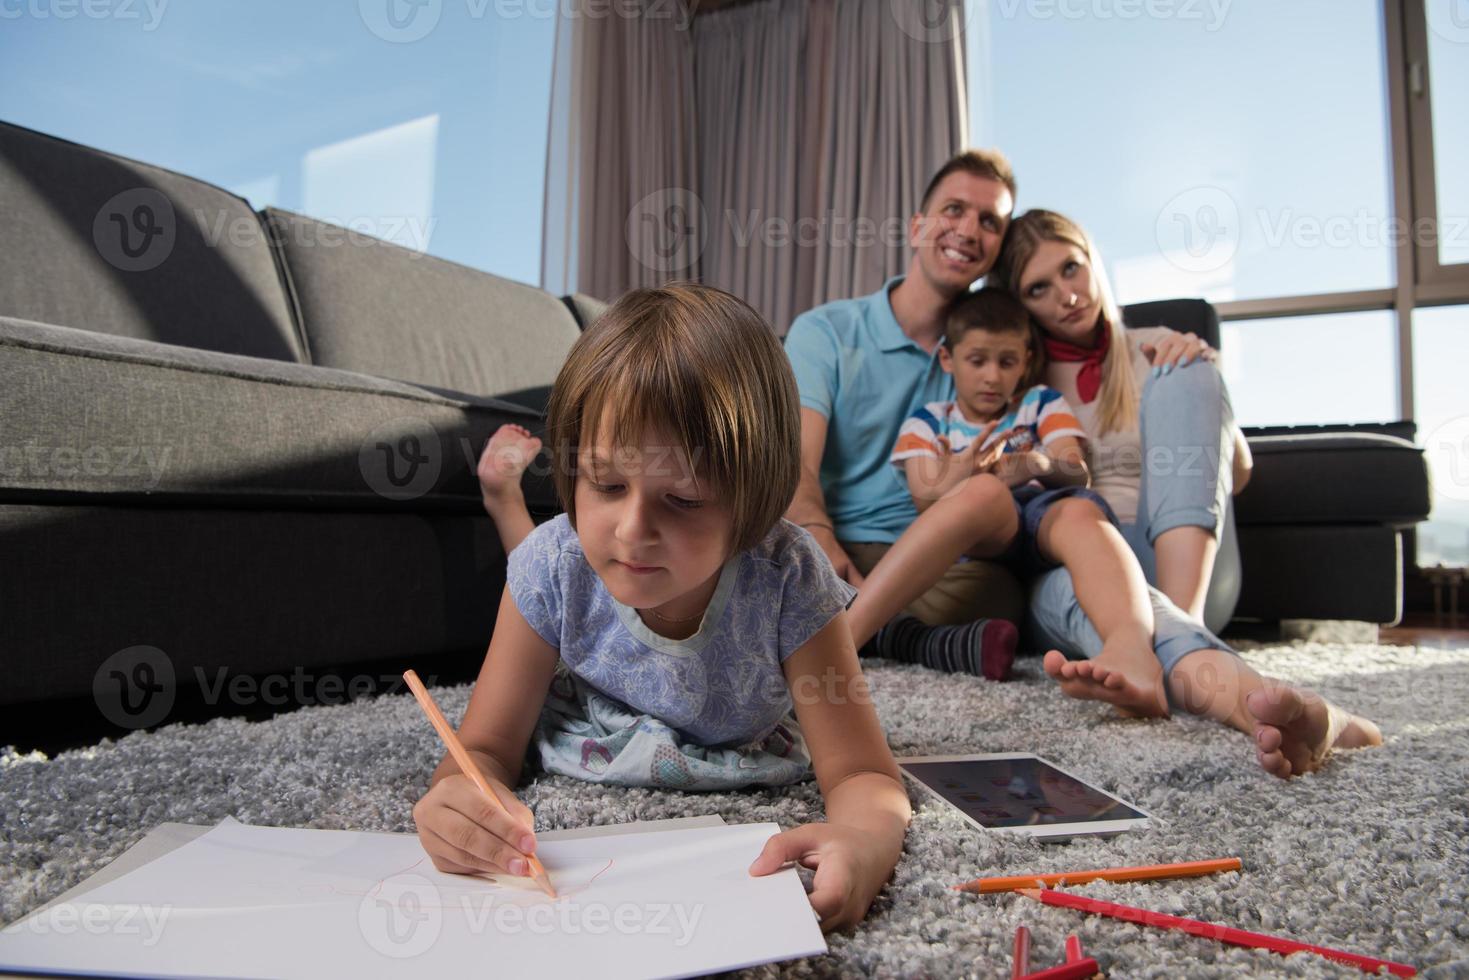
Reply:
x=1018, y=793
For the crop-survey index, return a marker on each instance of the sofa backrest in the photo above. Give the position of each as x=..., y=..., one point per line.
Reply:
x=99, y=242
x=372, y=306
x=586, y=309
x=1195, y=316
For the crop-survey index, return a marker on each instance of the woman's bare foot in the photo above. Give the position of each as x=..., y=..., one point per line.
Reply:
x=1296, y=730
x=509, y=451
x=1103, y=679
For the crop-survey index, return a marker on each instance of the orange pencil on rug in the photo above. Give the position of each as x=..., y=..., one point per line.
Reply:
x=467, y=764
x=1147, y=872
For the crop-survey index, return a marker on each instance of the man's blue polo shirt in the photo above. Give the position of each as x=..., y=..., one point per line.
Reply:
x=854, y=365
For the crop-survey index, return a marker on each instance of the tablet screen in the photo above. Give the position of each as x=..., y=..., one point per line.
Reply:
x=1018, y=792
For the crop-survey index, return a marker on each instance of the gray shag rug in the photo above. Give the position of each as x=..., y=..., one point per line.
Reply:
x=1370, y=855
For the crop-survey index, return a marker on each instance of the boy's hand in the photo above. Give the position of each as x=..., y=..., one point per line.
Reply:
x=464, y=833
x=851, y=868
x=985, y=460
x=1017, y=469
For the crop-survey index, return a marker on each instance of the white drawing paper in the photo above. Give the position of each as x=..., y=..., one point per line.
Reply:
x=243, y=901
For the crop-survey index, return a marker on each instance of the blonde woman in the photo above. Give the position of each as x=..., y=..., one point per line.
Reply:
x=1166, y=456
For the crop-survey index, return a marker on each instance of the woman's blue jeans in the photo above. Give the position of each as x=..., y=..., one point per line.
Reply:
x=1187, y=435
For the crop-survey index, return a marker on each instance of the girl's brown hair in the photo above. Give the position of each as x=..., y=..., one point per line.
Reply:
x=995, y=310
x=1117, y=402
x=702, y=365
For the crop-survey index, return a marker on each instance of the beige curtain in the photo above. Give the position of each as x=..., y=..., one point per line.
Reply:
x=759, y=84
x=897, y=113
x=621, y=148
x=784, y=171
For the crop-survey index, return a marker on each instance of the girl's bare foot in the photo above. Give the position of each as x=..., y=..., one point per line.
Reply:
x=1103, y=679
x=509, y=451
x=1296, y=730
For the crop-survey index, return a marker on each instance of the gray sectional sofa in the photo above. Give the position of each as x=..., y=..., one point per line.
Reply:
x=245, y=439
x=244, y=443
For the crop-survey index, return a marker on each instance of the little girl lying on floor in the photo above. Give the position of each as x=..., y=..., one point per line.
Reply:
x=662, y=630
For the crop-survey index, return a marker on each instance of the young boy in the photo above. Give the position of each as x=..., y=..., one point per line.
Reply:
x=1000, y=472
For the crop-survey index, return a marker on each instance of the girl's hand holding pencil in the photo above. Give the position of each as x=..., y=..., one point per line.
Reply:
x=469, y=822
x=464, y=833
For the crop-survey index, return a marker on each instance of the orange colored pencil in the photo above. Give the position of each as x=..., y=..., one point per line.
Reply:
x=1149, y=872
x=467, y=764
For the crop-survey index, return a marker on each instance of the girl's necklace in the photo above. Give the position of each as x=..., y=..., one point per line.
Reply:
x=675, y=621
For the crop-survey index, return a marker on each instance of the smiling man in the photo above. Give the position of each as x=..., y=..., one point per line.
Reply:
x=861, y=366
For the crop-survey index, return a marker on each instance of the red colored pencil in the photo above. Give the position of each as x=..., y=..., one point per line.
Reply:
x=1020, y=962
x=1073, y=949
x=1079, y=970
x=1208, y=930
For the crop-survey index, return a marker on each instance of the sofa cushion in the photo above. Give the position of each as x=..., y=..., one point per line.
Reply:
x=224, y=593
x=1321, y=572
x=371, y=306
x=1335, y=478
x=91, y=414
x=99, y=242
x=585, y=308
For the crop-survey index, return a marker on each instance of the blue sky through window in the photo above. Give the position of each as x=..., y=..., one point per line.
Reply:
x=1218, y=149
x=336, y=110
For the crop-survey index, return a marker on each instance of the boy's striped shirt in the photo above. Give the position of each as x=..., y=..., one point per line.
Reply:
x=939, y=428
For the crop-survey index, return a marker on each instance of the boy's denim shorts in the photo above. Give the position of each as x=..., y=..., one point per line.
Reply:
x=1032, y=501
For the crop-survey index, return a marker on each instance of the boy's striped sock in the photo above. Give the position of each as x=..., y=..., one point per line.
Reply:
x=985, y=647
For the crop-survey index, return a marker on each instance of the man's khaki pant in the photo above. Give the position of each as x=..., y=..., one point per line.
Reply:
x=968, y=591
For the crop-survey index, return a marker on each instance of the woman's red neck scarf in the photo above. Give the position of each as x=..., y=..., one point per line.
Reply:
x=1089, y=381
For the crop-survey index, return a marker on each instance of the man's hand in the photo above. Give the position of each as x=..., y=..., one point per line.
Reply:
x=840, y=560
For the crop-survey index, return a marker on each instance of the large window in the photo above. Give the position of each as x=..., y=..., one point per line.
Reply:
x=1229, y=151
x=1448, y=70
x=1344, y=379
x=424, y=123
x=1441, y=355
x=1299, y=164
